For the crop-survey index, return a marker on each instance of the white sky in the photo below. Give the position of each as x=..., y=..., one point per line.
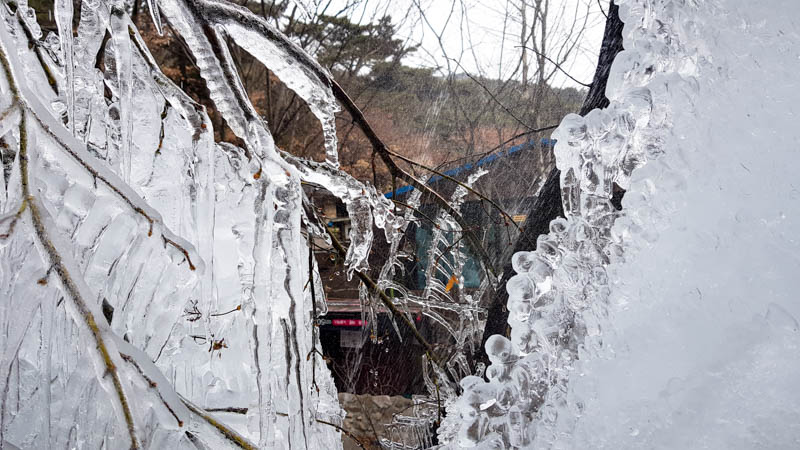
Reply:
x=472, y=33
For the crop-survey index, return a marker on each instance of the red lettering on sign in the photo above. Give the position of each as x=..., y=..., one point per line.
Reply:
x=347, y=322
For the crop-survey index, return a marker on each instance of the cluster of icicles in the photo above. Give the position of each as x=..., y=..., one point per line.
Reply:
x=154, y=283
x=561, y=289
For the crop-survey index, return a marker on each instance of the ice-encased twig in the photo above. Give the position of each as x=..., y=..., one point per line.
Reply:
x=73, y=287
x=106, y=341
x=223, y=83
x=250, y=27
x=77, y=150
x=308, y=79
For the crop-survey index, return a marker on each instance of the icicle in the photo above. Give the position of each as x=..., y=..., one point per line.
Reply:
x=63, y=10
x=185, y=21
x=155, y=14
x=124, y=77
x=289, y=62
x=88, y=108
x=365, y=207
x=28, y=15
x=360, y=213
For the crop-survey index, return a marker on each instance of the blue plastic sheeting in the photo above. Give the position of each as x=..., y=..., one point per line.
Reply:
x=545, y=142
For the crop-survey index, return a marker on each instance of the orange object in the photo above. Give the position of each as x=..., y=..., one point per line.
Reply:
x=450, y=283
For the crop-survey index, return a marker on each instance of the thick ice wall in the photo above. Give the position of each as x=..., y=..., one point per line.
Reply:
x=699, y=347
x=672, y=323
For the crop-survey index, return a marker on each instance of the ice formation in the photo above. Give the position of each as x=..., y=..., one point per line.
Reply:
x=672, y=323
x=457, y=312
x=153, y=283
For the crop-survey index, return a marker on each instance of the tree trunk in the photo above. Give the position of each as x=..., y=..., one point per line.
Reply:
x=547, y=205
x=523, y=42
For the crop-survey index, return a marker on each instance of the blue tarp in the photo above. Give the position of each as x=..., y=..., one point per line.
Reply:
x=545, y=142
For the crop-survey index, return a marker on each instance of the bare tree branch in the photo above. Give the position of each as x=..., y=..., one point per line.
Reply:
x=558, y=66
x=492, y=96
x=383, y=151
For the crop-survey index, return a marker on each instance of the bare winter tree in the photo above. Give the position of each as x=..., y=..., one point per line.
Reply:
x=516, y=87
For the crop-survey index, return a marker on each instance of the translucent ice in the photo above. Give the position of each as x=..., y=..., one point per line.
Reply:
x=148, y=277
x=673, y=323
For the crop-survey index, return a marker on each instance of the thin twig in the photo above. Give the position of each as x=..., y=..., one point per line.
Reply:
x=180, y=249
x=416, y=210
x=492, y=96
x=601, y=9
x=14, y=221
x=237, y=410
x=230, y=409
x=447, y=250
x=558, y=66
x=464, y=185
x=347, y=433
x=506, y=142
x=313, y=315
x=229, y=434
x=238, y=308
x=153, y=385
x=396, y=171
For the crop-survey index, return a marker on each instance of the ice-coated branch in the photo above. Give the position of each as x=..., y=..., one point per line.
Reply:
x=104, y=338
x=77, y=150
x=12, y=219
x=383, y=151
x=290, y=63
x=344, y=431
x=469, y=188
x=229, y=434
x=209, y=48
x=70, y=285
x=94, y=167
x=253, y=33
x=193, y=112
x=177, y=405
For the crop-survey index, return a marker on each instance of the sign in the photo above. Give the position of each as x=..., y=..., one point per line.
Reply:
x=347, y=322
x=350, y=339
